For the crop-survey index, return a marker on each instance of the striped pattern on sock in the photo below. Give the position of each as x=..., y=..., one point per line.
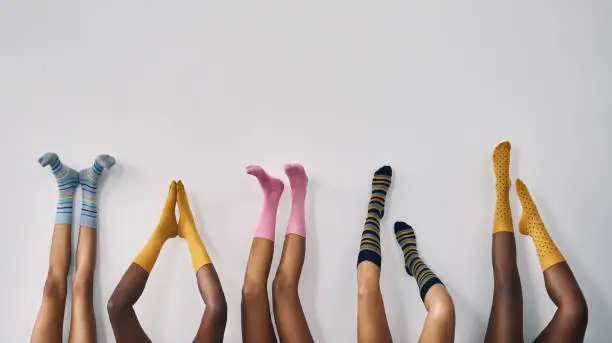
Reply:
x=370, y=238
x=88, y=178
x=67, y=182
x=424, y=277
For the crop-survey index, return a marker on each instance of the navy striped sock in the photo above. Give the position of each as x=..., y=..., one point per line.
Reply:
x=67, y=182
x=425, y=278
x=88, y=178
x=370, y=238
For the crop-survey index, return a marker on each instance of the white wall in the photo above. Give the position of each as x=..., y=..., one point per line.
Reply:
x=197, y=90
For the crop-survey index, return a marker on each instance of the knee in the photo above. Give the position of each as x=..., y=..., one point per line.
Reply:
x=443, y=310
x=55, y=286
x=217, y=308
x=253, y=289
x=116, y=305
x=575, y=309
x=82, y=287
x=284, y=284
x=368, y=289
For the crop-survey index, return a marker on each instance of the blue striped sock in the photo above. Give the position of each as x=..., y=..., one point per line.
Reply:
x=67, y=182
x=88, y=178
x=415, y=267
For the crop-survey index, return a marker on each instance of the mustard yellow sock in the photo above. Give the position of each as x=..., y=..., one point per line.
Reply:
x=531, y=224
x=166, y=229
x=501, y=165
x=187, y=230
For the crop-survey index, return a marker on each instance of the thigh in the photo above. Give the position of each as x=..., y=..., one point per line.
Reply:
x=372, y=325
x=82, y=322
x=288, y=313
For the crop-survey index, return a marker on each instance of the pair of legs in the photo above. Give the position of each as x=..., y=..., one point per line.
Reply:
x=50, y=319
x=288, y=314
x=506, y=320
x=372, y=325
x=124, y=320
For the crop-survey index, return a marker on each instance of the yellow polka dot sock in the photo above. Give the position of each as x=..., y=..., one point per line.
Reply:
x=188, y=231
x=502, y=221
x=531, y=224
x=166, y=229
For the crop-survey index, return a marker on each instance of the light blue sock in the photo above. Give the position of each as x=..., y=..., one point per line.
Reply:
x=88, y=178
x=67, y=182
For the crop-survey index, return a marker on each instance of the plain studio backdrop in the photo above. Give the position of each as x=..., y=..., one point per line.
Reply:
x=197, y=90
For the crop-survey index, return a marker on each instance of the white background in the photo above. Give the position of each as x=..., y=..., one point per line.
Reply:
x=197, y=90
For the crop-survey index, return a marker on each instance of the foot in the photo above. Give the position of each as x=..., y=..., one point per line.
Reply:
x=167, y=223
x=501, y=166
x=297, y=176
x=272, y=187
x=88, y=178
x=186, y=221
x=67, y=182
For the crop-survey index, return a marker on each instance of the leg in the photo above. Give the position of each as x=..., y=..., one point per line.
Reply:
x=440, y=323
x=290, y=320
x=212, y=327
x=506, y=318
x=124, y=321
x=50, y=319
x=570, y=320
x=372, y=323
x=83, y=326
x=256, y=319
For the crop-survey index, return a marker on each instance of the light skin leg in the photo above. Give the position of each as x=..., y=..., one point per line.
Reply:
x=439, y=325
x=50, y=319
x=83, y=324
x=372, y=325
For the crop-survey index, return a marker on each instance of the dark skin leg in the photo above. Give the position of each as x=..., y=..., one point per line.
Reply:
x=83, y=325
x=123, y=319
x=256, y=319
x=50, y=318
x=290, y=320
x=570, y=320
x=212, y=327
x=506, y=318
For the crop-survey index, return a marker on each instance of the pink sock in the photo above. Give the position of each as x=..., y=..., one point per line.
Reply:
x=273, y=189
x=298, y=181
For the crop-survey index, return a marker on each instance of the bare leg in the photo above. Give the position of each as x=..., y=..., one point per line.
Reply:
x=50, y=318
x=256, y=319
x=570, y=320
x=372, y=326
x=290, y=320
x=440, y=322
x=123, y=319
x=83, y=325
x=506, y=318
x=212, y=327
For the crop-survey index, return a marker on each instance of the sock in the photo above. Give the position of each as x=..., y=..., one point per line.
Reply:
x=187, y=230
x=298, y=181
x=424, y=277
x=88, y=178
x=166, y=229
x=370, y=238
x=501, y=165
x=531, y=224
x=273, y=189
x=67, y=182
